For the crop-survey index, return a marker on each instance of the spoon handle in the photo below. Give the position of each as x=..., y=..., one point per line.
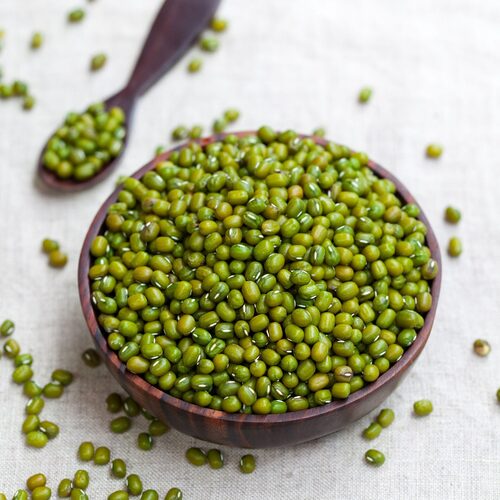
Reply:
x=177, y=25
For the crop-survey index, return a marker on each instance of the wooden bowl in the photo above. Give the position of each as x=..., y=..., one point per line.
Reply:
x=253, y=431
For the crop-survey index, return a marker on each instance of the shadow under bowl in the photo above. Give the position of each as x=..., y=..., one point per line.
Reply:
x=242, y=430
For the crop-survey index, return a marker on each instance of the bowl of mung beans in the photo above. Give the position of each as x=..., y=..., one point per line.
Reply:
x=260, y=289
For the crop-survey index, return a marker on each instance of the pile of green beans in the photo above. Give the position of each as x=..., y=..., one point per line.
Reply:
x=20, y=90
x=261, y=274
x=86, y=142
x=38, y=432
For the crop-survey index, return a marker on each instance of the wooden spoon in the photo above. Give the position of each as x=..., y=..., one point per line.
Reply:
x=175, y=29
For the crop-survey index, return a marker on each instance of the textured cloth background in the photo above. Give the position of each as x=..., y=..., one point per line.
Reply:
x=435, y=70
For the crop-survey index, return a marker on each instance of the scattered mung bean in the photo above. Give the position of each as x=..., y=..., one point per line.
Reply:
x=64, y=488
x=196, y=456
x=76, y=15
x=434, y=151
x=36, y=40
x=98, y=61
x=365, y=94
x=374, y=457
x=385, y=417
x=86, y=451
x=195, y=65
x=173, y=494
x=81, y=479
x=247, y=464
x=91, y=358
x=218, y=24
x=102, y=455
x=215, y=459
x=35, y=481
x=481, y=347
x=144, y=441
x=452, y=215
x=454, y=247
x=209, y=44
x=134, y=484
x=422, y=407
x=118, y=468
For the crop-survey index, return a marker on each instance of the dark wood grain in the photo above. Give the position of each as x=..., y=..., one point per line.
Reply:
x=254, y=431
x=175, y=28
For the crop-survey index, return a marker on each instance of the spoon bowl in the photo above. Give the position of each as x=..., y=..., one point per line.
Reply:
x=126, y=102
x=252, y=431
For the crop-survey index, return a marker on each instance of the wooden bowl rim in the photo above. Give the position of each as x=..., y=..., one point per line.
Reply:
x=149, y=390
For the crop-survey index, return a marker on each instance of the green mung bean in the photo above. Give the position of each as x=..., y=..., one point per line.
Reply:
x=218, y=24
x=22, y=374
x=196, y=456
x=86, y=451
x=372, y=431
x=78, y=494
x=102, y=455
x=35, y=405
x=231, y=115
x=64, y=377
x=215, y=459
x=31, y=423
x=49, y=245
x=98, y=61
x=57, y=258
x=365, y=94
x=319, y=132
x=452, y=215
x=36, y=40
x=64, y=488
x=76, y=15
x=158, y=428
x=120, y=425
x=422, y=407
x=173, y=494
x=81, y=479
x=434, y=151
x=195, y=65
x=114, y=402
x=385, y=417
x=144, y=441
x=150, y=495
x=209, y=44
x=374, y=457
x=49, y=428
x=7, y=328
x=119, y=495
x=454, y=247
x=118, y=468
x=91, y=358
x=481, y=347
x=134, y=484
x=247, y=464
x=53, y=390
x=36, y=439
x=131, y=408
x=35, y=481
x=20, y=495
x=41, y=493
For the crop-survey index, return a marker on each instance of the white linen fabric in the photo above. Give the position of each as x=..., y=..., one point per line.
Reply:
x=435, y=70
